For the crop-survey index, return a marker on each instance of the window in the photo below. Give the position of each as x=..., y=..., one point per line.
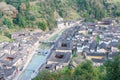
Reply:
x=59, y=55
x=64, y=45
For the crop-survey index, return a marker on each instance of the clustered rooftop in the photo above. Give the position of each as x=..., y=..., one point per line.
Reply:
x=13, y=55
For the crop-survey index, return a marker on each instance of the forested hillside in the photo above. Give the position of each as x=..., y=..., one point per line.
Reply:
x=33, y=14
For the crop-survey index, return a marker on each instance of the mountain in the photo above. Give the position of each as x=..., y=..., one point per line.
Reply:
x=43, y=13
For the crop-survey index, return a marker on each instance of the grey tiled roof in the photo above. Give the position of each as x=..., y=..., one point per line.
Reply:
x=6, y=72
x=65, y=59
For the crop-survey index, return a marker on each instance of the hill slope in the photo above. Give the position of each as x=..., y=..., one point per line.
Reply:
x=42, y=14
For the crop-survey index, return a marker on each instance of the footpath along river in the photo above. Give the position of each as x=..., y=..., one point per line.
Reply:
x=37, y=60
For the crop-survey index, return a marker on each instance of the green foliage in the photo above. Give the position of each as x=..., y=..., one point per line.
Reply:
x=98, y=39
x=86, y=16
x=102, y=72
x=19, y=20
x=7, y=22
x=113, y=69
x=30, y=17
x=42, y=25
x=46, y=75
x=84, y=71
x=116, y=10
x=7, y=34
x=49, y=10
x=91, y=9
x=119, y=48
x=16, y=3
x=74, y=53
x=117, y=13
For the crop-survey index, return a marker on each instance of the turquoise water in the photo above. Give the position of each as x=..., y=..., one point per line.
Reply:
x=34, y=64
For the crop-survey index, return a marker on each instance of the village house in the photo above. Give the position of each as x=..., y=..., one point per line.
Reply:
x=10, y=48
x=102, y=48
x=98, y=62
x=12, y=60
x=63, y=58
x=60, y=23
x=37, y=35
x=50, y=67
x=21, y=35
x=106, y=22
x=7, y=73
x=64, y=46
x=89, y=56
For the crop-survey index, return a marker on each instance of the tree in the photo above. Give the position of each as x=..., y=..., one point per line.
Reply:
x=64, y=74
x=16, y=3
x=102, y=72
x=42, y=25
x=20, y=21
x=119, y=48
x=7, y=34
x=30, y=17
x=86, y=71
x=113, y=69
x=98, y=39
x=47, y=75
x=7, y=22
x=92, y=9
